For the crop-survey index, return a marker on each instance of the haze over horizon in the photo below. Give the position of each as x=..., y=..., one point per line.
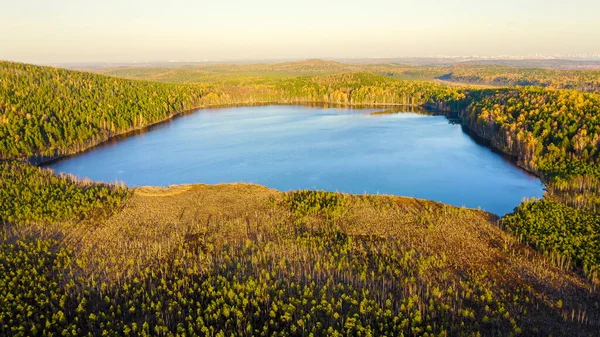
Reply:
x=126, y=31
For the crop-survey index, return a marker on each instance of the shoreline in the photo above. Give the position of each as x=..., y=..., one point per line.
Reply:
x=433, y=108
x=47, y=160
x=150, y=191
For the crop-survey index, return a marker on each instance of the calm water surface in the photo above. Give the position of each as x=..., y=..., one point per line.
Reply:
x=301, y=147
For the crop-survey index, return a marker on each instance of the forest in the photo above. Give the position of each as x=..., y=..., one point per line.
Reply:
x=86, y=258
x=582, y=80
x=492, y=75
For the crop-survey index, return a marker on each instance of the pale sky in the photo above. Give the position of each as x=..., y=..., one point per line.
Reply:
x=57, y=31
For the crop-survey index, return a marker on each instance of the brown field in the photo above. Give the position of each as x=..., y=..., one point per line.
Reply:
x=156, y=220
x=453, y=244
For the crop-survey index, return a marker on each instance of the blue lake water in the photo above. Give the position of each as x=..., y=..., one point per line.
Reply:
x=302, y=147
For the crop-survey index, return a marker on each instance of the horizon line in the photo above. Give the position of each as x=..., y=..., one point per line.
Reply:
x=507, y=57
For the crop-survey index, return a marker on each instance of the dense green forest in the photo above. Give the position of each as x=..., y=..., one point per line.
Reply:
x=29, y=194
x=83, y=258
x=50, y=112
x=568, y=234
x=554, y=132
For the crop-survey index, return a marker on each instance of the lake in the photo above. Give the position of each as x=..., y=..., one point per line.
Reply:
x=302, y=147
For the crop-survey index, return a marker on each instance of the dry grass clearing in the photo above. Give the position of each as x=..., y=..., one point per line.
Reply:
x=447, y=247
x=155, y=222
